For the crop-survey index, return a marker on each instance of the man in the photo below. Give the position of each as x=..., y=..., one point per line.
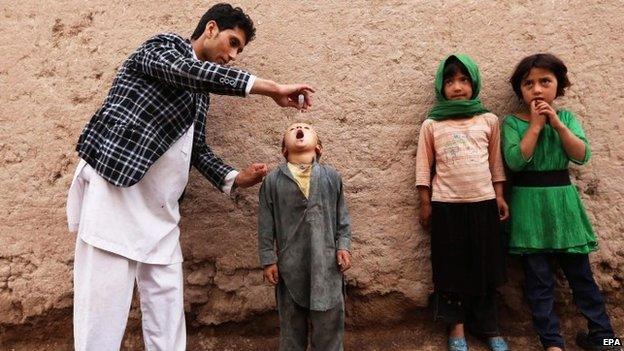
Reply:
x=135, y=157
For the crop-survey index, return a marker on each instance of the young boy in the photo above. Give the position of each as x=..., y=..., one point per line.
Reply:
x=303, y=217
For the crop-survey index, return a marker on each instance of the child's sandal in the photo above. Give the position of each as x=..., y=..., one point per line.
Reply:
x=457, y=344
x=497, y=343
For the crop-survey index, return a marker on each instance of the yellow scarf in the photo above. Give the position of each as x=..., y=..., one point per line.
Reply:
x=302, y=177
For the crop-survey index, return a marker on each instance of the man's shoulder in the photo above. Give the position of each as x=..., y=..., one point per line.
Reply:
x=168, y=39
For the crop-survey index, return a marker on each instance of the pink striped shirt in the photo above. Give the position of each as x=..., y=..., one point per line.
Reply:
x=467, y=158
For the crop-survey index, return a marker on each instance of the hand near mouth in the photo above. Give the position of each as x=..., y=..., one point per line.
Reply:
x=544, y=109
x=537, y=119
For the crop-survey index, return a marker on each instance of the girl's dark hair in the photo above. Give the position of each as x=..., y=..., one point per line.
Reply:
x=227, y=17
x=545, y=61
x=452, y=66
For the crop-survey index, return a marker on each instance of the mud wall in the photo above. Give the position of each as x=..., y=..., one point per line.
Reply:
x=372, y=63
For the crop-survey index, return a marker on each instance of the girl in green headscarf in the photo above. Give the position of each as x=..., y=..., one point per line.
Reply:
x=463, y=204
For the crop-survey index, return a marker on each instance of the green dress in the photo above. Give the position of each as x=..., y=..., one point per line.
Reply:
x=546, y=219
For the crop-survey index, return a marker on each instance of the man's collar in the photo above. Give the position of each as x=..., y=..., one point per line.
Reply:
x=193, y=51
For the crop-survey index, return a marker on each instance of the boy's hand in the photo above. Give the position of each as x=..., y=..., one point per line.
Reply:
x=425, y=215
x=251, y=175
x=271, y=274
x=503, y=209
x=343, y=257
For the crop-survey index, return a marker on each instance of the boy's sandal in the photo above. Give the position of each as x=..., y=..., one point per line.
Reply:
x=457, y=344
x=497, y=343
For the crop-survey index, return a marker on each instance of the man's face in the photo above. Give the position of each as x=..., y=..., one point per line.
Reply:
x=221, y=46
x=300, y=137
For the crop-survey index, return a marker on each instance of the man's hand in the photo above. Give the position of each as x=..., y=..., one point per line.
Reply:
x=287, y=95
x=271, y=274
x=503, y=209
x=343, y=257
x=251, y=175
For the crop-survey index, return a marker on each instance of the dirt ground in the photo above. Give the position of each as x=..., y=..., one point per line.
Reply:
x=261, y=334
x=372, y=63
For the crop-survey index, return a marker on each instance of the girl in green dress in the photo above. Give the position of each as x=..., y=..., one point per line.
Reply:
x=548, y=222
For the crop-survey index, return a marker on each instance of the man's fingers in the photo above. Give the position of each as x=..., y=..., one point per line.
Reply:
x=305, y=89
x=260, y=169
x=307, y=99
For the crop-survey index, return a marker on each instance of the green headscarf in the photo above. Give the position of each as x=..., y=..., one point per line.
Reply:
x=445, y=109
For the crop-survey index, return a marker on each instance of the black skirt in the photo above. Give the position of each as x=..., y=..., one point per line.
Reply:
x=467, y=247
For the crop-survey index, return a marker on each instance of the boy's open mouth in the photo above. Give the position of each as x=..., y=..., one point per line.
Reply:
x=299, y=134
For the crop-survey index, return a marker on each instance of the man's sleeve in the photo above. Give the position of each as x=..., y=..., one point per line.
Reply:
x=266, y=227
x=228, y=183
x=163, y=58
x=207, y=163
x=343, y=222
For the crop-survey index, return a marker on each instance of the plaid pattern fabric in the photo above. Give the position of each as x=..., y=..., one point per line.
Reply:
x=159, y=91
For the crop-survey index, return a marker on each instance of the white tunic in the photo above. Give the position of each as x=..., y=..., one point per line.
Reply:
x=138, y=222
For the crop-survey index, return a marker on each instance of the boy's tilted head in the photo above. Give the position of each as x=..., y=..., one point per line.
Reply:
x=301, y=139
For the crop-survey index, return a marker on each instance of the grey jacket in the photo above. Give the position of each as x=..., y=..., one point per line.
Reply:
x=306, y=233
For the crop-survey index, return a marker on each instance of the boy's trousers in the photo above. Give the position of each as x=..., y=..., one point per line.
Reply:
x=103, y=286
x=326, y=327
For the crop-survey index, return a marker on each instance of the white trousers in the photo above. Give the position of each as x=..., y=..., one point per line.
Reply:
x=103, y=286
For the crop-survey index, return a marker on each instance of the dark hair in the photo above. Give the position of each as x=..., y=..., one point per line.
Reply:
x=545, y=61
x=226, y=17
x=453, y=66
